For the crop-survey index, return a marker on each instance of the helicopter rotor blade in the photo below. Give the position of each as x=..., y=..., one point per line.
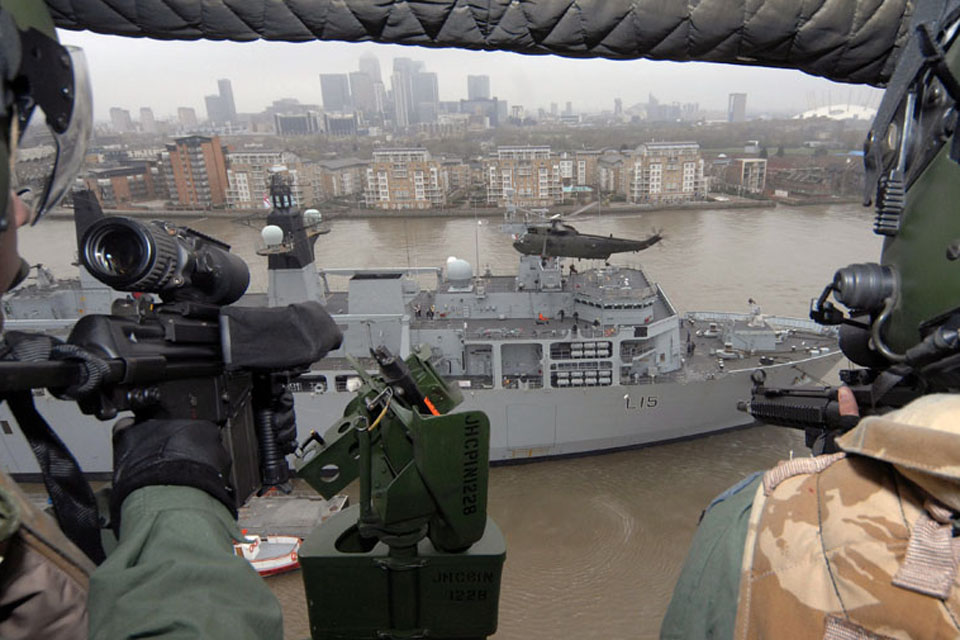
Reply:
x=584, y=208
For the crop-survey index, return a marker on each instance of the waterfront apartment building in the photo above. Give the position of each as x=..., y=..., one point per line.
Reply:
x=249, y=174
x=339, y=178
x=613, y=173
x=198, y=171
x=665, y=172
x=579, y=168
x=118, y=186
x=531, y=171
x=750, y=174
x=407, y=178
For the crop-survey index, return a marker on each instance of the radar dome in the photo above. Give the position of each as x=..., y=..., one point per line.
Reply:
x=459, y=271
x=312, y=217
x=272, y=235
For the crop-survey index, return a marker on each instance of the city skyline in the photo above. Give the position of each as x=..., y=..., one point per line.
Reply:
x=262, y=72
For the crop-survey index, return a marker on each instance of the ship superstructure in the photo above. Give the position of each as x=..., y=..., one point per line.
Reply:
x=563, y=360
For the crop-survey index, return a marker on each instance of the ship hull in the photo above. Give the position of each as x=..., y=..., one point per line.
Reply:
x=539, y=423
x=524, y=423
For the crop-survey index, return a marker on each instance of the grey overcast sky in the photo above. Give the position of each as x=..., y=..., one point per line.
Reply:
x=133, y=73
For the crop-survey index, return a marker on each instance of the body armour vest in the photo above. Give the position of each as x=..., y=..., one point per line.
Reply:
x=44, y=578
x=860, y=544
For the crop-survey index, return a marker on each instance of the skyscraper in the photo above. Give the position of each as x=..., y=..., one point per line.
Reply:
x=362, y=89
x=187, y=117
x=478, y=87
x=370, y=65
x=402, y=98
x=404, y=107
x=148, y=124
x=226, y=99
x=737, y=107
x=120, y=120
x=336, y=91
x=216, y=111
x=220, y=107
x=426, y=96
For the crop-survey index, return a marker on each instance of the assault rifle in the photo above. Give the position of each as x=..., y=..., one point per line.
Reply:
x=188, y=355
x=930, y=366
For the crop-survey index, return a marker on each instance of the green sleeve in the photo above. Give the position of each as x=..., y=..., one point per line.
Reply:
x=174, y=574
x=704, y=602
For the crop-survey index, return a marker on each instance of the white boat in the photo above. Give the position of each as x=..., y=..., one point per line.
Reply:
x=270, y=555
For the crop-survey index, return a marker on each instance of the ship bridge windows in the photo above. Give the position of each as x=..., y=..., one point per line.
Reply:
x=521, y=366
x=578, y=350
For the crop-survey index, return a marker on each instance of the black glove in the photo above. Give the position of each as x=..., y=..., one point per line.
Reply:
x=285, y=422
x=169, y=452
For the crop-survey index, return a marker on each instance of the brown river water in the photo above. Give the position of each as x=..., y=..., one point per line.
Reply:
x=595, y=544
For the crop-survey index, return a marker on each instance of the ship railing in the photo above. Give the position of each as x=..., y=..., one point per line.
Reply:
x=346, y=272
x=628, y=381
x=604, y=295
x=518, y=333
x=776, y=322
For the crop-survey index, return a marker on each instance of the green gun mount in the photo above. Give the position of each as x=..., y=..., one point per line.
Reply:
x=417, y=557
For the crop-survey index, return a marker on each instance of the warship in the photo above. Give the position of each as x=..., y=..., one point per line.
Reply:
x=563, y=361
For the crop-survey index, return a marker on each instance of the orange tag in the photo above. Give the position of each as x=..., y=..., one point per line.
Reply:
x=430, y=406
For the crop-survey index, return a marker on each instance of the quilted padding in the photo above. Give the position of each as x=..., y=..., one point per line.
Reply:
x=845, y=40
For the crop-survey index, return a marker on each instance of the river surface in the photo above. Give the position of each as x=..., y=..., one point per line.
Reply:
x=595, y=544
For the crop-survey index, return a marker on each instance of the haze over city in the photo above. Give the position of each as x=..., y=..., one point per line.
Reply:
x=132, y=73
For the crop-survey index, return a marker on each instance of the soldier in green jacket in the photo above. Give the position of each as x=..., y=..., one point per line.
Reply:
x=173, y=573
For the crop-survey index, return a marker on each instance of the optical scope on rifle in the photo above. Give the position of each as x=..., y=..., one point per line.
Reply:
x=189, y=355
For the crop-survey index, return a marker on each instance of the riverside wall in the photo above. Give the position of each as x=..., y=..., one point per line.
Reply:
x=442, y=212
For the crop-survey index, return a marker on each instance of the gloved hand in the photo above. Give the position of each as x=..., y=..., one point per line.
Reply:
x=285, y=422
x=168, y=452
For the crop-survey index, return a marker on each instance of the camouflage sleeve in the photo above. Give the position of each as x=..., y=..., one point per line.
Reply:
x=174, y=574
x=704, y=602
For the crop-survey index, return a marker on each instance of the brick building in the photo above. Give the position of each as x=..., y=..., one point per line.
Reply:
x=249, y=174
x=750, y=174
x=407, y=178
x=339, y=178
x=666, y=172
x=198, y=171
x=531, y=171
x=614, y=173
x=118, y=186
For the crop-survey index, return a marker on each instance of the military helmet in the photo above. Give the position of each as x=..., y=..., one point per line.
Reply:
x=912, y=164
x=38, y=73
